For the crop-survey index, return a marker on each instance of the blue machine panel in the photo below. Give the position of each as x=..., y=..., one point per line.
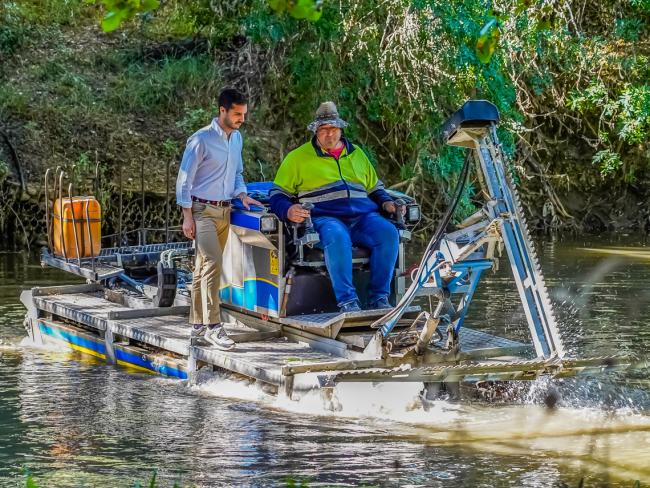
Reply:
x=255, y=293
x=246, y=220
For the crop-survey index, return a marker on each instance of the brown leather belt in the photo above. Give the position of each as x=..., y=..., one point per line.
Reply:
x=216, y=203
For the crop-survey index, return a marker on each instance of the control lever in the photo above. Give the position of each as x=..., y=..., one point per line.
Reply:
x=399, y=216
x=310, y=237
x=404, y=234
x=309, y=225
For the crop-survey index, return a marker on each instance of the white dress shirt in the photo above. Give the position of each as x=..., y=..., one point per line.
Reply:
x=212, y=166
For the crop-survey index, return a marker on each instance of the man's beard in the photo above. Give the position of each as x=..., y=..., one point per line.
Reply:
x=231, y=124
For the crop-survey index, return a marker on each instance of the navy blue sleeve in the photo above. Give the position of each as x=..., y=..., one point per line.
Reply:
x=379, y=195
x=280, y=202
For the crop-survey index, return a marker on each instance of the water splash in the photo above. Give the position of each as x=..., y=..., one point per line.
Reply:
x=608, y=440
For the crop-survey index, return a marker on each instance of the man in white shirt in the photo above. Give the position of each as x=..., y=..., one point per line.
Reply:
x=209, y=177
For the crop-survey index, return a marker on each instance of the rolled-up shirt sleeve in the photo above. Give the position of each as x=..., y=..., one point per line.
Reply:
x=240, y=185
x=191, y=158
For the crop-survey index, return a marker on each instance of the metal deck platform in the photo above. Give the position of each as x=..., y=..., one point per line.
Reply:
x=283, y=353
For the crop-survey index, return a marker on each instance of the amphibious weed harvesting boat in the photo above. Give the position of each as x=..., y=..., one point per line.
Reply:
x=278, y=301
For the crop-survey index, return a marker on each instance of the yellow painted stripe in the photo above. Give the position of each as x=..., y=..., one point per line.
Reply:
x=85, y=350
x=134, y=366
x=262, y=279
x=250, y=279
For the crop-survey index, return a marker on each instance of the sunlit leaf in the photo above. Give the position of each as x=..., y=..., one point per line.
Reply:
x=488, y=41
x=149, y=5
x=112, y=21
x=278, y=5
x=305, y=9
x=300, y=8
x=118, y=11
x=314, y=15
x=30, y=483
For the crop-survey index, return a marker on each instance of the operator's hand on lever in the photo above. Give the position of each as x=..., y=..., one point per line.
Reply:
x=248, y=201
x=393, y=207
x=297, y=213
x=389, y=207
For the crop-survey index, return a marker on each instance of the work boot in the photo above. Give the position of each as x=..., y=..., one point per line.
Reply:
x=380, y=304
x=352, y=306
x=217, y=336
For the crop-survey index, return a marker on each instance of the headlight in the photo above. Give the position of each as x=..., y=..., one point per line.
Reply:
x=413, y=213
x=269, y=223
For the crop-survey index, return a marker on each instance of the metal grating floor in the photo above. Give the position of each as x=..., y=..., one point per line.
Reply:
x=149, y=248
x=472, y=339
x=325, y=319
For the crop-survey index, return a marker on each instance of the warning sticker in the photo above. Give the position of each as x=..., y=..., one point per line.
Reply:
x=273, y=263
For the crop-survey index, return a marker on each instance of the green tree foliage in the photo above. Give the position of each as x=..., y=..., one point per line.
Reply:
x=570, y=78
x=118, y=11
x=398, y=67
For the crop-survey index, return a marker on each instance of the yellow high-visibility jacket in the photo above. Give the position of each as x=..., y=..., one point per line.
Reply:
x=346, y=187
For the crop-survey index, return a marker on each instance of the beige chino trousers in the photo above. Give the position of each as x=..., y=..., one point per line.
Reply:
x=212, y=225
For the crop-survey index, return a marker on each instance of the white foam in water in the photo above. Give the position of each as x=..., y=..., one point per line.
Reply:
x=226, y=387
x=27, y=342
x=398, y=402
x=591, y=438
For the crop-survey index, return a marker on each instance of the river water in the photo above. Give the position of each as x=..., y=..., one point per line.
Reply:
x=72, y=421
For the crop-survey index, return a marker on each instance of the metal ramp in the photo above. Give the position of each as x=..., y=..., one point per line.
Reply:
x=110, y=262
x=144, y=254
x=330, y=324
x=86, y=268
x=145, y=249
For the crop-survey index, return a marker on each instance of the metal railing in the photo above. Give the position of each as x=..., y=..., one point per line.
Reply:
x=53, y=191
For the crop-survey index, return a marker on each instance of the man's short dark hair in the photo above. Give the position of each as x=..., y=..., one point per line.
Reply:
x=230, y=97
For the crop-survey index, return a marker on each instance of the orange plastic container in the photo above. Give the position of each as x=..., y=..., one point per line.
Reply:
x=85, y=214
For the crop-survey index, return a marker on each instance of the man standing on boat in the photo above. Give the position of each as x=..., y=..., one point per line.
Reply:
x=338, y=179
x=210, y=176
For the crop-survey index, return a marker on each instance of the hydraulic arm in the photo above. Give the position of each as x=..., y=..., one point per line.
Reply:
x=453, y=262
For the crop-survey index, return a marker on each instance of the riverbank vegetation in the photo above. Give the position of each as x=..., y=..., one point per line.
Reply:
x=571, y=79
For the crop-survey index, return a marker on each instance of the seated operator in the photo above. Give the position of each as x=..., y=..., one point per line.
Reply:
x=337, y=177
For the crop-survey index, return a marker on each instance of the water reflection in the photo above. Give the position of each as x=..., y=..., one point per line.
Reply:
x=76, y=422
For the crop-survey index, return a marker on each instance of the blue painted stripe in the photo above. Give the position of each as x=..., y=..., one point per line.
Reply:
x=266, y=294
x=97, y=346
x=255, y=293
x=146, y=363
x=245, y=220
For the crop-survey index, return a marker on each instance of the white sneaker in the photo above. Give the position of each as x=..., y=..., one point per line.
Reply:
x=197, y=330
x=196, y=333
x=218, y=337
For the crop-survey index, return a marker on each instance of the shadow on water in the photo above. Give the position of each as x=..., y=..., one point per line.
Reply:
x=76, y=422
